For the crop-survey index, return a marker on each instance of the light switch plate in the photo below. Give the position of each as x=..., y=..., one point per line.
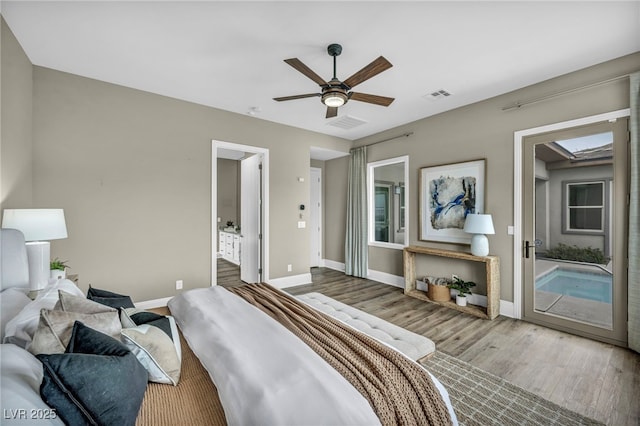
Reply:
x=302, y=224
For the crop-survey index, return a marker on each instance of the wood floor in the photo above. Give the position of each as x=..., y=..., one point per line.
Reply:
x=595, y=379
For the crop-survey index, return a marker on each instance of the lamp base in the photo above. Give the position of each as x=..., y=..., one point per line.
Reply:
x=479, y=245
x=38, y=255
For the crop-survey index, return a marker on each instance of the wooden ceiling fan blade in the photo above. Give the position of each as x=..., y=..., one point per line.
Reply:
x=371, y=70
x=290, y=98
x=331, y=112
x=372, y=99
x=298, y=65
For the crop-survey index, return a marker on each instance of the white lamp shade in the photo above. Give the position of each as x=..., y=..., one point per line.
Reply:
x=36, y=224
x=479, y=224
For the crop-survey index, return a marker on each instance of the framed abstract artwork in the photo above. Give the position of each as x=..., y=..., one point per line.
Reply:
x=448, y=193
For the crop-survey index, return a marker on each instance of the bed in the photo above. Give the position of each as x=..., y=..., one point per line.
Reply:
x=238, y=357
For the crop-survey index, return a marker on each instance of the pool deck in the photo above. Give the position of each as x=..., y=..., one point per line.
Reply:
x=588, y=311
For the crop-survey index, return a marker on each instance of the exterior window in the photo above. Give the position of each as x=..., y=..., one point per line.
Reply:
x=585, y=206
x=382, y=212
x=401, y=207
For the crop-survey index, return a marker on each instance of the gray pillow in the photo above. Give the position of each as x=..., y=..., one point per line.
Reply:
x=54, y=329
x=21, y=375
x=155, y=341
x=71, y=303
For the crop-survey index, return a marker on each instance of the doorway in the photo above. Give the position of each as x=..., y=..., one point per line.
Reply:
x=574, y=189
x=254, y=196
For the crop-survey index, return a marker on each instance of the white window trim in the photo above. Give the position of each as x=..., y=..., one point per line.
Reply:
x=371, y=200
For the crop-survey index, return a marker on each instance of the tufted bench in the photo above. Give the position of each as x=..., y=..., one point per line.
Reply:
x=411, y=344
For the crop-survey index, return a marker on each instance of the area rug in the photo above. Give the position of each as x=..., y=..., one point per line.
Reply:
x=480, y=398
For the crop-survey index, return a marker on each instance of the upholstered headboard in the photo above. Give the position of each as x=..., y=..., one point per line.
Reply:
x=14, y=267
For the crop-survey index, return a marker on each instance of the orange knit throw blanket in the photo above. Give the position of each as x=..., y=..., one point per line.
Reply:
x=399, y=390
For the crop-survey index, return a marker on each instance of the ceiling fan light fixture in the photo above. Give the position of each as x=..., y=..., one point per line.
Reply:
x=336, y=93
x=334, y=99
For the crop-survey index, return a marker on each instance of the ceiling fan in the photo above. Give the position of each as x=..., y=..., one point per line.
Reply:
x=336, y=93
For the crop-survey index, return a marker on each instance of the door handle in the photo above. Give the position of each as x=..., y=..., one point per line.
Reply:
x=527, y=246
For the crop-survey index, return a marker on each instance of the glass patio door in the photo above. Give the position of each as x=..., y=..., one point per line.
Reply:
x=574, y=230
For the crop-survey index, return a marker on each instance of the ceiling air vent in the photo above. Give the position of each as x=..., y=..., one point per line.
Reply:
x=346, y=122
x=438, y=94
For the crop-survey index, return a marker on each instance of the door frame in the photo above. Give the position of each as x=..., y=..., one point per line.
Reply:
x=215, y=145
x=317, y=208
x=518, y=138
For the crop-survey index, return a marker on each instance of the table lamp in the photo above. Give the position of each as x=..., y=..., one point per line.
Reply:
x=38, y=226
x=479, y=225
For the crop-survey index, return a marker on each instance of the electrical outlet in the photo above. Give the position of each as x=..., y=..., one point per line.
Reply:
x=453, y=277
x=179, y=285
x=289, y=268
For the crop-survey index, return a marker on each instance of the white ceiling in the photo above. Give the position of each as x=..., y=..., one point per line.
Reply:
x=229, y=55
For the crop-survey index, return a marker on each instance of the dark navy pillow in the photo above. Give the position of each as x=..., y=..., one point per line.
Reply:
x=109, y=298
x=96, y=381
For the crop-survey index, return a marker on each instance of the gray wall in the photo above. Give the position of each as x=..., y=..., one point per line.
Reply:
x=335, y=208
x=133, y=172
x=228, y=191
x=16, y=148
x=481, y=130
x=556, y=205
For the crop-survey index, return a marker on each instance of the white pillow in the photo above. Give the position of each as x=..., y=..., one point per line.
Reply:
x=12, y=301
x=21, y=328
x=20, y=389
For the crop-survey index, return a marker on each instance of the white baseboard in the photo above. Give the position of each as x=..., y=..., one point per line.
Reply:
x=381, y=277
x=386, y=278
x=320, y=264
x=155, y=303
x=478, y=300
x=506, y=307
x=332, y=264
x=291, y=281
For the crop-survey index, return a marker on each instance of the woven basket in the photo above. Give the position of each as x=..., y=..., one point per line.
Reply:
x=438, y=293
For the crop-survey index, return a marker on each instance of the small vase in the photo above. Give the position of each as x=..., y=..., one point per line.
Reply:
x=58, y=274
x=461, y=300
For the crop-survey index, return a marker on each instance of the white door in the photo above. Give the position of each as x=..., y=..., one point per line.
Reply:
x=315, y=215
x=250, y=218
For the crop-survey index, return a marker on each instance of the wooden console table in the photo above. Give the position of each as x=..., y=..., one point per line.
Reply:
x=492, y=266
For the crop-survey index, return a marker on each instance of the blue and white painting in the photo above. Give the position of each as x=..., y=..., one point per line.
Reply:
x=448, y=193
x=452, y=199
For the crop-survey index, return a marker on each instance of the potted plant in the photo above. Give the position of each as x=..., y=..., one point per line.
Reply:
x=463, y=287
x=58, y=267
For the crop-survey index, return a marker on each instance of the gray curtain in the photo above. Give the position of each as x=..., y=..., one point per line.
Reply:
x=356, y=255
x=634, y=217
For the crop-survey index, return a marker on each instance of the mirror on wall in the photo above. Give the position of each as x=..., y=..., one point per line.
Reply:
x=387, y=184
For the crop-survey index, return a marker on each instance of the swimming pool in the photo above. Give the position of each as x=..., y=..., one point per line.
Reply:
x=577, y=283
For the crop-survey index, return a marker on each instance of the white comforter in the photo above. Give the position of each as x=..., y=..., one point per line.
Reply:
x=264, y=374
